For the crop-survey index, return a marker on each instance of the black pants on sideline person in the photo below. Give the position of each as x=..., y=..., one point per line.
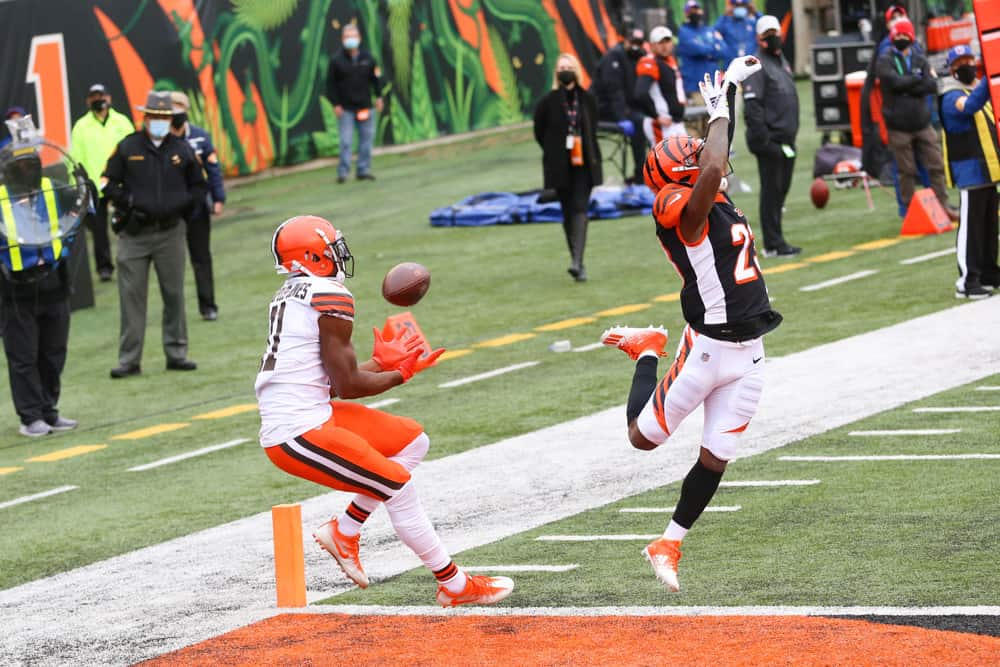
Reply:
x=976, y=241
x=574, y=201
x=199, y=232
x=98, y=225
x=639, y=146
x=35, y=337
x=775, y=181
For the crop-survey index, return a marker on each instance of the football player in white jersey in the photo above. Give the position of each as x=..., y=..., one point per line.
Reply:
x=725, y=303
x=346, y=446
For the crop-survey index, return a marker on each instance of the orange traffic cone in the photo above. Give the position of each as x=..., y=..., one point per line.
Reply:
x=925, y=215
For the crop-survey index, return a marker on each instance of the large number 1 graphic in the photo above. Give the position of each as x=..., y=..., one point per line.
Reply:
x=47, y=72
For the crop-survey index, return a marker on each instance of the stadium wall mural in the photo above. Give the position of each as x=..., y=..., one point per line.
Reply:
x=255, y=69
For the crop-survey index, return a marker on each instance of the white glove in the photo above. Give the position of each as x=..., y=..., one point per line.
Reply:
x=741, y=68
x=714, y=94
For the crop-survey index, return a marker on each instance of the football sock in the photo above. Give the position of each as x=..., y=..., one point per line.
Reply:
x=415, y=530
x=349, y=523
x=675, y=531
x=451, y=577
x=643, y=385
x=696, y=492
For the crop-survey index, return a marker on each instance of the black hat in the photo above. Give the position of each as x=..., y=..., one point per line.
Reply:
x=158, y=103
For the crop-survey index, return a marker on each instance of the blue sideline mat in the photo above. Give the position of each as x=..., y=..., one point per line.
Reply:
x=505, y=208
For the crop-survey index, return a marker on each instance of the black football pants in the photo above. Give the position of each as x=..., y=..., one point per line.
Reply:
x=199, y=231
x=775, y=181
x=98, y=224
x=35, y=337
x=976, y=241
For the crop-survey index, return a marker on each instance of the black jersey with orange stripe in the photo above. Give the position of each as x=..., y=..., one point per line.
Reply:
x=723, y=295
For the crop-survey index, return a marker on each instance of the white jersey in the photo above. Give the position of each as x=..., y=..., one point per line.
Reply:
x=293, y=389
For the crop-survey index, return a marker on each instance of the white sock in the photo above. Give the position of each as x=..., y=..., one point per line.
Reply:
x=675, y=531
x=347, y=524
x=648, y=353
x=415, y=530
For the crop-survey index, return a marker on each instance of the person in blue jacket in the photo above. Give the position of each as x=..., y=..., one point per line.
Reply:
x=737, y=29
x=972, y=164
x=699, y=49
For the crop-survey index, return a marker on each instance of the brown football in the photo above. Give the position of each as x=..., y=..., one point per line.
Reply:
x=819, y=193
x=406, y=283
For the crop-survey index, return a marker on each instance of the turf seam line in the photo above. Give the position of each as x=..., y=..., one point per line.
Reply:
x=770, y=482
x=421, y=610
x=664, y=510
x=963, y=408
x=520, y=568
x=383, y=403
x=624, y=537
x=838, y=281
x=188, y=455
x=907, y=431
x=928, y=256
x=37, y=496
x=892, y=457
x=488, y=374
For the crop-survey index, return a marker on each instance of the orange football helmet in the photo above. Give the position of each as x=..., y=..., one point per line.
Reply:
x=311, y=245
x=673, y=160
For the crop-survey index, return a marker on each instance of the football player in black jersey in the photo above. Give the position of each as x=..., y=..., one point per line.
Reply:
x=719, y=360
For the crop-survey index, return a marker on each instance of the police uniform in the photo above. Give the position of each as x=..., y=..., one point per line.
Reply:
x=724, y=299
x=155, y=187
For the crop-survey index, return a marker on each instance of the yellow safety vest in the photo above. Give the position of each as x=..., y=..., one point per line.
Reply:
x=7, y=210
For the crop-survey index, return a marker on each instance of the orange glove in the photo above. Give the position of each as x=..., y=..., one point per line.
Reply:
x=390, y=352
x=413, y=364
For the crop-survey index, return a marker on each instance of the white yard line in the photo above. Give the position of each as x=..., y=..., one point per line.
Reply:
x=489, y=374
x=589, y=347
x=892, y=457
x=167, y=596
x=188, y=455
x=520, y=568
x=907, y=431
x=665, y=510
x=962, y=408
x=384, y=403
x=987, y=387
x=771, y=482
x=928, y=256
x=838, y=281
x=624, y=537
x=36, y=496
x=380, y=610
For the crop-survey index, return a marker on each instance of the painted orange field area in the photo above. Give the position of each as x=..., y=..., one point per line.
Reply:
x=326, y=639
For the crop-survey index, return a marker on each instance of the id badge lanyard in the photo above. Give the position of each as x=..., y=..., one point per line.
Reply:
x=574, y=142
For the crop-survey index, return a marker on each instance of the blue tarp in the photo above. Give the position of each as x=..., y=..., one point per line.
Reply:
x=504, y=208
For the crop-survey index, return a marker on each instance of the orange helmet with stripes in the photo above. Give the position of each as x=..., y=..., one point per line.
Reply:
x=673, y=160
x=311, y=245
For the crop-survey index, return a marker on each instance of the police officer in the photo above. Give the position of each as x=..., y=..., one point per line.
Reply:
x=199, y=223
x=973, y=164
x=154, y=179
x=614, y=88
x=39, y=216
x=771, y=110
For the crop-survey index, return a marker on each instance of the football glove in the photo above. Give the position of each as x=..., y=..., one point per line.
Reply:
x=413, y=364
x=389, y=351
x=740, y=69
x=716, y=101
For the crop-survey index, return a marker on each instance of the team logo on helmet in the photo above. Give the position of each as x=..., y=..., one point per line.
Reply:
x=673, y=160
x=311, y=245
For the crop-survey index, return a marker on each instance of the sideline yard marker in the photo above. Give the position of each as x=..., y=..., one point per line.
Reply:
x=565, y=324
x=623, y=310
x=146, y=432
x=588, y=347
x=520, y=568
x=891, y=457
x=783, y=268
x=483, y=376
x=289, y=561
x=830, y=256
x=37, y=496
x=908, y=431
x=928, y=256
x=596, y=538
x=7, y=471
x=988, y=388
x=771, y=482
x=227, y=412
x=188, y=455
x=878, y=244
x=65, y=453
x=962, y=408
x=505, y=340
x=385, y=402
x=664, y=510
x=837, y=281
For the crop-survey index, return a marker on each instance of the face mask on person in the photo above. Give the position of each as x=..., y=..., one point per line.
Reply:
x=99, y=105
x=352, y=42
x=966, y=74
x=158, y=127
x=901, y=44
x=179, y=120
x=773, y=44
x=635, y=50
x=695, y=19
x=740, y=12
x=566, y=77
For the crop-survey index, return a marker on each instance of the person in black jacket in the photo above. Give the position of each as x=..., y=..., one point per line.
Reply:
x=614, y=88
x=350, y=82
x=153, y=179
x=566, y=129
x=771, y=111
x=906, y=80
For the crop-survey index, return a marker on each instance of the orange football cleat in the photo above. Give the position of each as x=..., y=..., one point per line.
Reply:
x=344, y=550
x=634, y=341
x=663, y=555
x=478, y=590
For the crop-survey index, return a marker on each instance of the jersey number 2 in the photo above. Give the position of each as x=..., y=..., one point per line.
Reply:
x=273, y=337
x=746, y=270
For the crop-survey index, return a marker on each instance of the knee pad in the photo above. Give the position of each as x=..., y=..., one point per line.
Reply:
x=410, y=456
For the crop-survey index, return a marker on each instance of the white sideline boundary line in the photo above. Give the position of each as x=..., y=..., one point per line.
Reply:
x=382, y=610
x=37, y=496
x=588, y=347
x=892, y=457
x=770, y=482
x=384, y=403
x=987, y=387
x=837, y=281
x=520, y=568
x=928, y=256
x=664, y=510
x=624, y=537
x=489, y=374
x=188, y=455
x=907, y=431
x=962, y=408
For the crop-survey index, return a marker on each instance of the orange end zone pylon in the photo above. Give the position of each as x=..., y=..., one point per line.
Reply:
x=925, y=215
x=289, y=562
